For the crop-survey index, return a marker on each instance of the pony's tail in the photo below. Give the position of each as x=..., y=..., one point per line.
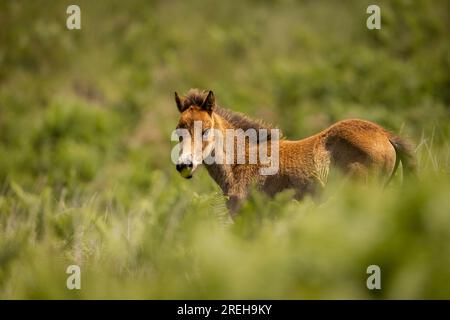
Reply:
x=404, y=154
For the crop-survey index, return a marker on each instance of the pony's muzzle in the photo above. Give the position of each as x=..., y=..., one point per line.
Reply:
x=181, y=166
x=185, y=168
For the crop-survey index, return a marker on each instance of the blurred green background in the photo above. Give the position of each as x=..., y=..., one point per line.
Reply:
x=85, y=170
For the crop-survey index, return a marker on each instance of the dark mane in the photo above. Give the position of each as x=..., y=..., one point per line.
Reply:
x=240, y=120
x=194, y=97
x=237, y=119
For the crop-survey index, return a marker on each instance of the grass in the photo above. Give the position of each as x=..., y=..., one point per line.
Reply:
x=85, y=170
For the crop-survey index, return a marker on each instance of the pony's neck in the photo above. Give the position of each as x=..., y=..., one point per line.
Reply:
x=221, y=173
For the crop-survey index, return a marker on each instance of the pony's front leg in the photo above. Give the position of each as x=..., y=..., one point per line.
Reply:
x=233, y=204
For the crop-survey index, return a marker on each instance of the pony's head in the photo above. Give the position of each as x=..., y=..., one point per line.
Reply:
x=195, y=129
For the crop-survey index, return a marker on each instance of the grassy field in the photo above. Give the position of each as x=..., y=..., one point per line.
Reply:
x=85, y=170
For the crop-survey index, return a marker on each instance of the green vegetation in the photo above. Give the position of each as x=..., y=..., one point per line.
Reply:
x=85, y=170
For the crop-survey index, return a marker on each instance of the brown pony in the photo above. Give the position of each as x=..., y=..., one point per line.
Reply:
x=356, y=147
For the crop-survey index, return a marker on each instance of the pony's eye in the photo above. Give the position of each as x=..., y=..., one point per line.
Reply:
x=180, y=138
x=206, y=133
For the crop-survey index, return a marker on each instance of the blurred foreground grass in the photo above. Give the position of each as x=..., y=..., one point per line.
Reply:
x=85, y=170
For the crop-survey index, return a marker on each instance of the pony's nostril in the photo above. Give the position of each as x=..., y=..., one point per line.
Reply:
x=183, y=165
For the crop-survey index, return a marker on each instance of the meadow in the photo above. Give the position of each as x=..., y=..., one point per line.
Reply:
x=85, y=171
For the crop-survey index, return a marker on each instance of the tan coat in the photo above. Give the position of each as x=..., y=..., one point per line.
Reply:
x=355, y=147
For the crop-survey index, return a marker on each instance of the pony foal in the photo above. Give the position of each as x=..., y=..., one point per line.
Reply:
x=355, y=147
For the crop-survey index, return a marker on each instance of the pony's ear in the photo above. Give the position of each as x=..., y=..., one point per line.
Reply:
x=178, y=101
x=209, y=102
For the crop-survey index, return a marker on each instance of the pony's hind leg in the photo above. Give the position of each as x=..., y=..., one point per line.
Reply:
x=358, y=171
